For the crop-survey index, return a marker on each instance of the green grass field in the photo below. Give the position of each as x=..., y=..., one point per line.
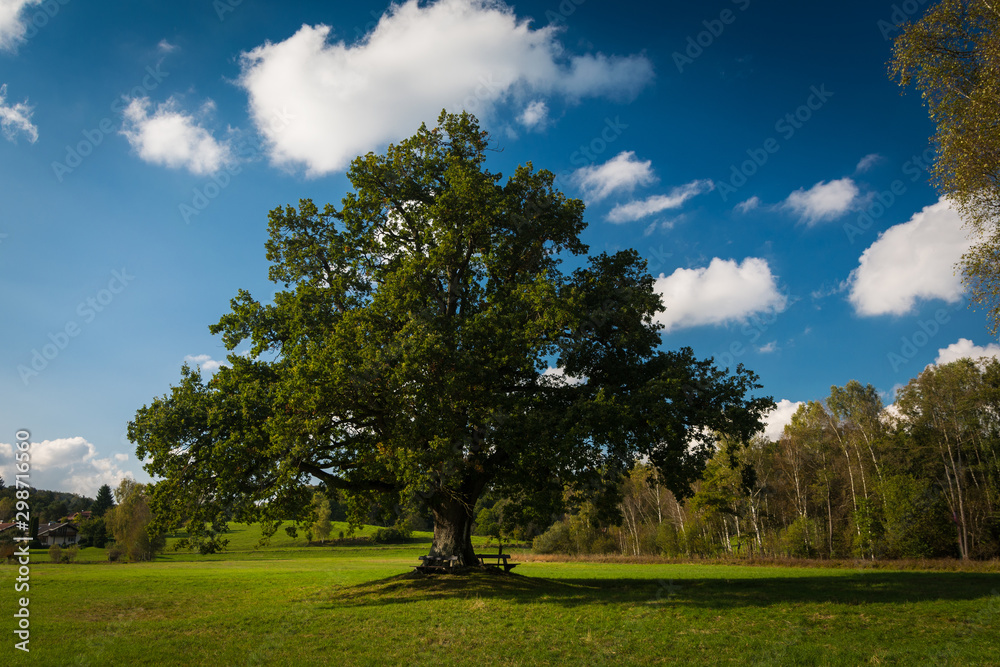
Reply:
x=292, y=605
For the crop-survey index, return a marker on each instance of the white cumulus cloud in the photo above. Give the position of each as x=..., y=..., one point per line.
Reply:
x=636, y=210
x=560, y=375
x=966, y=348
x=722, y=292
x=534, y=115
x=823, y=201
x=777, y=419
x=172, y=138
x=66, y=464
x=912, y=260
x=348, y=99
x=12, y=22
x=203, y=361
x=622, y=173
x=15, y=119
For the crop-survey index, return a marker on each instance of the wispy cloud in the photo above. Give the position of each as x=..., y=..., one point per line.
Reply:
x=636, y=210
x=16, y=119
x=867, y=162
x=748, y=205
x=12, y=24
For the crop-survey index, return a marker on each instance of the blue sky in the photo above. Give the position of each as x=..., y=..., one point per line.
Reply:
x=756, y=154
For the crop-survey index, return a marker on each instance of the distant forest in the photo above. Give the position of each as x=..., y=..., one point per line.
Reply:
x=848, y=479
x=45, y=505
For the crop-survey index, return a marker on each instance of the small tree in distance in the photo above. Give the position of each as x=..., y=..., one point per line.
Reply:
x=103, y=502
x=130, y=520
x=321, y=527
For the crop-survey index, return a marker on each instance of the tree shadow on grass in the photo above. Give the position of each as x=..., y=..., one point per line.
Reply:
x=863, y=588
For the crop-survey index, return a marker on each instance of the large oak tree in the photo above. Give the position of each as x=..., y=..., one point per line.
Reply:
x=406, y=358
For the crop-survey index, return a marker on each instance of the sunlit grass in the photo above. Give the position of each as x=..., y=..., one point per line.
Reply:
x=288, y=604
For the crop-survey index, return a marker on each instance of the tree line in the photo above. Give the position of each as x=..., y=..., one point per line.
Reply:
x=849, y=478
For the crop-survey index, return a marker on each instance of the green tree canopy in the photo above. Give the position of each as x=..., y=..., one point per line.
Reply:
x=404, y=359
x=952, y=55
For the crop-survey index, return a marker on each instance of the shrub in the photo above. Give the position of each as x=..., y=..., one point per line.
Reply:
x=55, y=553
x=115, y=554
x=395, y=534
x=668, y=541
x=69, y=555
x=554, y=540
x=802, y=538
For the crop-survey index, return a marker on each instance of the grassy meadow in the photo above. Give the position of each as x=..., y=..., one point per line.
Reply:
x=289, y=604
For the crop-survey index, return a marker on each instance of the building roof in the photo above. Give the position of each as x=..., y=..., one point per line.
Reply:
x=55, y=528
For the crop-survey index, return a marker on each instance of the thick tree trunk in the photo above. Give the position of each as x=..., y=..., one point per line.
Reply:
x=453, y=532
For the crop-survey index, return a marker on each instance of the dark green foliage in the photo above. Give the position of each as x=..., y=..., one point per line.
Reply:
x=103, y=502
x=93, y=532
x=402, y=361
x=50, y=505
x=391, y=535
x=915, y=519
x=554, y=540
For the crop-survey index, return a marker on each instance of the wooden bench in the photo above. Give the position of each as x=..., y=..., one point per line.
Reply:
x=434, y=564
x=499, y=556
